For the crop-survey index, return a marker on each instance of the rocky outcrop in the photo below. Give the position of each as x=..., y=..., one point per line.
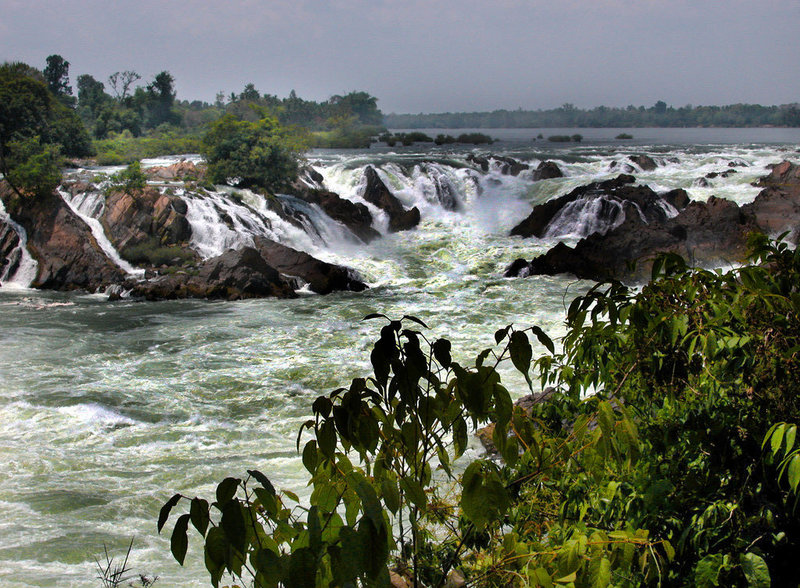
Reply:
x=132, y=219
x=353, y=215
x=508, y=166
x=705, y=233
x=547, y=170
x=234, y=275
x=322, y=277
x=777, y=207
x=181, y=171
x=9, y=251
x=609, y=203
x=645, y=162
x=377, y=194
x=67, y=253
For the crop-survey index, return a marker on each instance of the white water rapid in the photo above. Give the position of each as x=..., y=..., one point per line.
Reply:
x=108, y=409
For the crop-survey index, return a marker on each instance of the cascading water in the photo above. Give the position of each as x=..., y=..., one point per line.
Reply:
x=89, y=206
x=107, y=409
x=20, y=270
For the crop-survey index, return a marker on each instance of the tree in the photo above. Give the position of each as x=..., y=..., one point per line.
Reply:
x=260, y=154
x=56, y=74
x=121, y=82
x=360, y=104
x=35, y=130
x=160, y=100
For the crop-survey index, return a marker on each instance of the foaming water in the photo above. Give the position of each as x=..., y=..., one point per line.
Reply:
x=107, y=409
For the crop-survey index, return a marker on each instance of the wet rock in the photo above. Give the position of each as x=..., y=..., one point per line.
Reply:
x=10, y=255
x=706, y=233
x=508, y=166
x=547, y=170
x=234, y=275
x=608, y=202
x=645, y=162
x=322, y=277
x=377, y=194
x=67, y=253
x=133, y=219
x=353, y=215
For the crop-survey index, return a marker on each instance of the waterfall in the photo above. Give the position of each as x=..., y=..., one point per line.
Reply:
x=20, y=271
x=89, y=206
x=585, y=216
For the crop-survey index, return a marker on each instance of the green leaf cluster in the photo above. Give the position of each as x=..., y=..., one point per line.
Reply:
x=662, y=451
x=260, y=154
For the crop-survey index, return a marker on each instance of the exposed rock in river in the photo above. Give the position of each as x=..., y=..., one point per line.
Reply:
x=67, y=253
x=353, y=215
x=705, y=233
x=599, y=207
x=377, y=194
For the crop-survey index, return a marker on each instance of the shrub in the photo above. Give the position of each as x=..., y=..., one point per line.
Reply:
x=624, y=136
x=656, y=477
x=153, y=253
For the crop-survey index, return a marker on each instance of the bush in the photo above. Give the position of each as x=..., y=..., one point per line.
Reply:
x=153, y=253
x=475, y=139
x=644, y=466
x=129, y=180
x=624, y=137
x=260, y=154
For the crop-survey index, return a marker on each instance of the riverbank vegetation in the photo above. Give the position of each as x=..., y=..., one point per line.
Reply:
x=567, y=116
x=664, y=453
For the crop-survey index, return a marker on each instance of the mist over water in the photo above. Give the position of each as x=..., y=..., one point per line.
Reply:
x=107, y=409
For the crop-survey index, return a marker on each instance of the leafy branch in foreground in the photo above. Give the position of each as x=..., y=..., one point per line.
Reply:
x=643, y=466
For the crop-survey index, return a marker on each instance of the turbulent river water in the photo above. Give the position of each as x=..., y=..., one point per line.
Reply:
x=107, y=409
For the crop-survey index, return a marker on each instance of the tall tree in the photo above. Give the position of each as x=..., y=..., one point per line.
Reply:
x=56, y=75
x=121, y=82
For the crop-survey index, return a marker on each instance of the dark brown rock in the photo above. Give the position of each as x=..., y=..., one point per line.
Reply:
x=777, y=207
x=615, y=197
x=322, y=277
x=353, y=215
x=234, y=275
x=645, y=162
x=705, y=233
x=547, y=170
x=377, y=194
x=508, y=166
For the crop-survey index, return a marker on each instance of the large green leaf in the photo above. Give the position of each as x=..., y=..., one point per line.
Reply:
x=755, y=571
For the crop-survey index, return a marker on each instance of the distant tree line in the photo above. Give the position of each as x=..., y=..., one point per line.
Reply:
x=567, y=115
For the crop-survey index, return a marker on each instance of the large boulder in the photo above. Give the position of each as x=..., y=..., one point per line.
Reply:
x=599, y=207
x=377, y=194
x=547, y=170
x=10, y=256
x=645, y=162
x=353, y=215
x=706, y=233
x=130, y=219
x=67, y=253
x=322, y=277
x=234, y=275
x=777, y=207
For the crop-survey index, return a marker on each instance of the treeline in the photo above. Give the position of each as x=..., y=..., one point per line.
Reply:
x=567, y=115
x=122, y=103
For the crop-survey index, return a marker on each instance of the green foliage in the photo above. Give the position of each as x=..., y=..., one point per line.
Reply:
x=663, y=454
x=624, y=137
x=124, y=148
x=129, y=180
x=35, y=129
x=260, y=154
x=153, y=253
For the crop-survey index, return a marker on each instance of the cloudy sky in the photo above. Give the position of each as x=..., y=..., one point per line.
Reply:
x=429, y=55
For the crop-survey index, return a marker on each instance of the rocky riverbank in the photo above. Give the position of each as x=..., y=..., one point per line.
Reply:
x=634, y=224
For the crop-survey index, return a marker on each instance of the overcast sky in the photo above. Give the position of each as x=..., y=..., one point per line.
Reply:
x=429, y=55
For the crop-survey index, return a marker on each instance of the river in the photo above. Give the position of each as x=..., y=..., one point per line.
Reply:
x=108, y=408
